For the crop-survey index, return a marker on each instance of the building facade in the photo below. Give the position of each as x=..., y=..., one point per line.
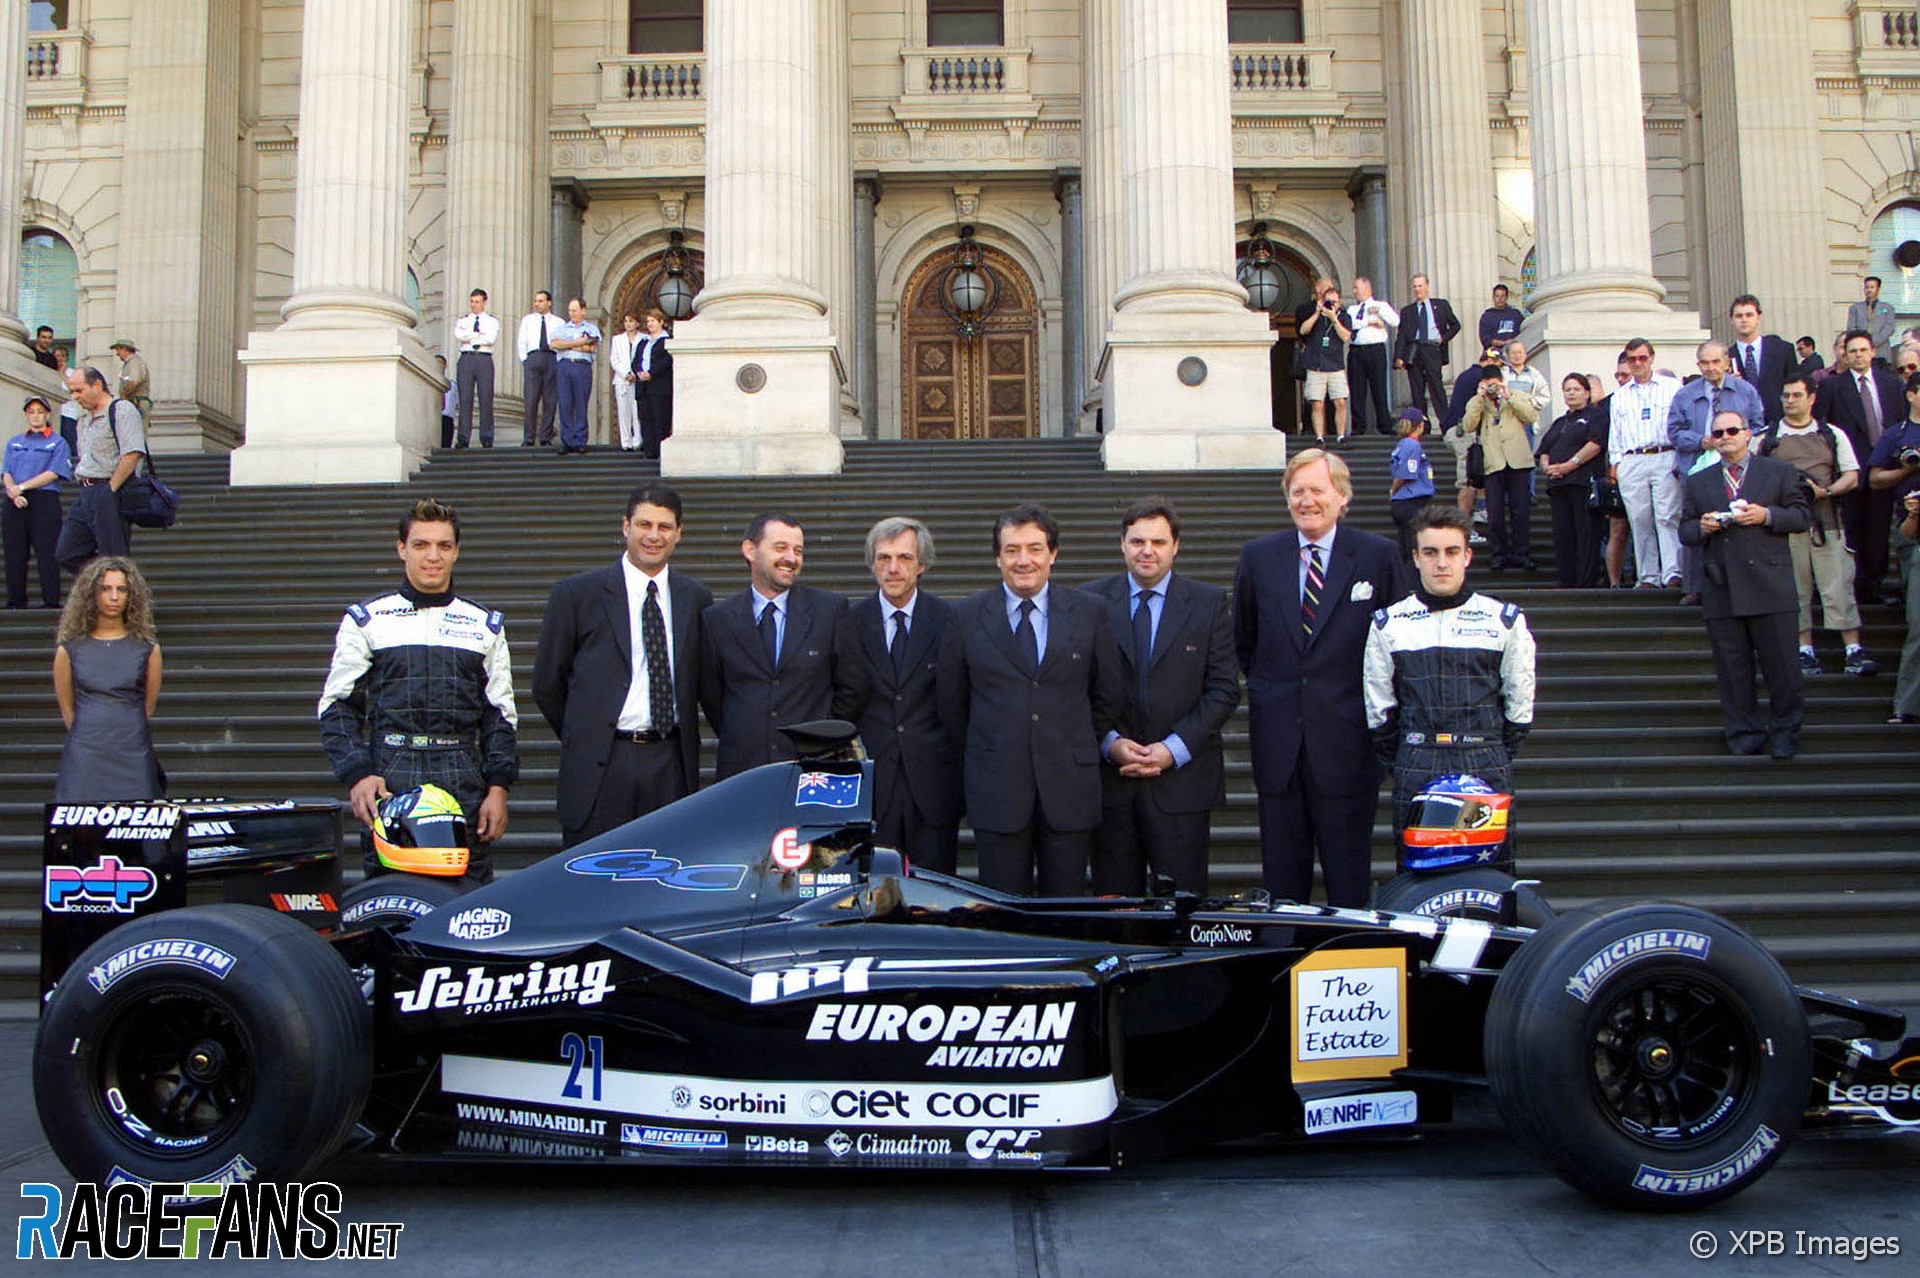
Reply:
x=318, y=187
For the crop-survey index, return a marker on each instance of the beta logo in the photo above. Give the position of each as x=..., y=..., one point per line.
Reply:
x=644, y=865
x=108, y=886
x=777, y=1145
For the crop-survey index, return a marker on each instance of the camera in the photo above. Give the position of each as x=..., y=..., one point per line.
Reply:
x=1910, y=456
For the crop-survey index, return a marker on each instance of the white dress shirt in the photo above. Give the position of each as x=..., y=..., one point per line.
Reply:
x=476, y=332
x=636, y=712
x=530, y=331
x=1365, y=334
x=1637, y=415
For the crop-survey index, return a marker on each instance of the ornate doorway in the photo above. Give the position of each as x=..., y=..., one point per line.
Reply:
x=641, y=288
x=983, y=387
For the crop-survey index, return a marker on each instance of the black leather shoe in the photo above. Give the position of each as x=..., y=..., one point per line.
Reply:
x=1785, y=749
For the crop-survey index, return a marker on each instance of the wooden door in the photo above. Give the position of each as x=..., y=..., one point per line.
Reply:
x=982, y=387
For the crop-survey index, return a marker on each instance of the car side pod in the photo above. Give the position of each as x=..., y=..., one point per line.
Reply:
x=1652, y=1055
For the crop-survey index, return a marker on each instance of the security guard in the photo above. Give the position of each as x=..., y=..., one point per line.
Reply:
x=421, y=690
x=1449, y=672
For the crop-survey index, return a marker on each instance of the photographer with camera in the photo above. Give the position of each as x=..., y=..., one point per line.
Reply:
x=1740, y=514
x=1501, y=421
x=1324, y=334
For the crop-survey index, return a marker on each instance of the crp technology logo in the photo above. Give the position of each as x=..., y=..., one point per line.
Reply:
x=230, y=1216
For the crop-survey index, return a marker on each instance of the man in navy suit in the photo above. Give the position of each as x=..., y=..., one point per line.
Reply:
x=617, y=675
x=1302, y=602
x=1427, y=324
x=1761, y=359
x=1165, y=770
x=1030, y=680
x=916, y=764
x=1865, y=400
x=777, y=653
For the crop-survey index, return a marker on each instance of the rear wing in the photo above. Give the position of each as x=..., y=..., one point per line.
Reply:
x=106, y=863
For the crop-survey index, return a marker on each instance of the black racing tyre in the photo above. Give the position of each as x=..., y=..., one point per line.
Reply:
x=395, y=900
x=1654, y=1056
x=1472, y=892
x=220, y=1042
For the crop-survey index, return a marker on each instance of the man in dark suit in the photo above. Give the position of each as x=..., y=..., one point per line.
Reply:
x=776, y=653
x=1302, y=602
x=617, y=675
x=1864, y=399
x=1742, y=512
x=1761, y=358
x=1427, y=324
x=1167, y=773
x=916, y=764
x=1030, y=680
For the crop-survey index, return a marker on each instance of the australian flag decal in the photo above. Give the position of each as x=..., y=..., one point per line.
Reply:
x=828, y=790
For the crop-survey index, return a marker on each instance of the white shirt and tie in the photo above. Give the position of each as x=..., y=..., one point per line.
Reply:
x=636, y=712
x=531, y=325
x=476, y=333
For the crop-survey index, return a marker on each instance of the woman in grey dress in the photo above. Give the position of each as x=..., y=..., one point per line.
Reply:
x=106, y=676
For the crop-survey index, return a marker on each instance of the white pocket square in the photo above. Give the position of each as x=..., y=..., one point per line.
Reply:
x=1362, y=591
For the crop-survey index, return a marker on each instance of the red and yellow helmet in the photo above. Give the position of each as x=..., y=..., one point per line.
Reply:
x=1456, y=820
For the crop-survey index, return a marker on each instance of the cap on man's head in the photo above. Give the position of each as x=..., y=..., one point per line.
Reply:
x=1492, y=352
x=1412, y=414
x=36, y=399
x=119, y=342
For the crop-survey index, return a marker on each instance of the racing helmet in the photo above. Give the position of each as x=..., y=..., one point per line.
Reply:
x=422, y=831
x=1456, y=820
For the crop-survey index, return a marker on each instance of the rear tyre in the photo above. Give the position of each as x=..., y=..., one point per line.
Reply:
x=1654, y=1056
x=217, y=1043
x=1470, y=893
x=395, y=900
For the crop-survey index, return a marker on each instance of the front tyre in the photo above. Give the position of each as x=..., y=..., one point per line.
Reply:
x=392, y=901
x=216, y=1043
x=1654, y=1056
x=1471, y=893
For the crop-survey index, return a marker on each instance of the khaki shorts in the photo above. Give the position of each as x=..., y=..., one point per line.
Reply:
x=1828, y=567
x=1326, y=385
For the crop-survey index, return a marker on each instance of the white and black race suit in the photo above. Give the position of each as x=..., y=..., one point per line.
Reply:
x=421, y=691
x=1449, y=686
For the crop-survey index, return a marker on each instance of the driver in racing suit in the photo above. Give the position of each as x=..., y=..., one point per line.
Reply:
x=1449, y=672
x=421, y=690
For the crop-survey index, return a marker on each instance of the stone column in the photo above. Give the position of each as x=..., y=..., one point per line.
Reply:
x=569, y=205
x=1449, y=172
x=1186, y=365
x=1100, y=196
x=344, y=391
x=836, y=203
x=756, y=382
x=1766, y=227
x=1591, y=225
x=1368, y=190
x=177, y=253
x=1073, y=392
x=20, y=374
x=866, y=301
x=493, y=205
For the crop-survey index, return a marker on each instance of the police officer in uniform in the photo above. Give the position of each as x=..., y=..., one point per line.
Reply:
x=1449, y=671
x=421, y=690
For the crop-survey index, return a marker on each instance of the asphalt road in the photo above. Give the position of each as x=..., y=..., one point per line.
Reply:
x=1461, y=1199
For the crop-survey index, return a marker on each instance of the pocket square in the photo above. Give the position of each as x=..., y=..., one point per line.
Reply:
x=1362, y=591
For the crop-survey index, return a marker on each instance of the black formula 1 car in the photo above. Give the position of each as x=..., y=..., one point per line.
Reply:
x=744, y=978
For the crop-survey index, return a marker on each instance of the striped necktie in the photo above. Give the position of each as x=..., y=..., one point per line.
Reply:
x=1310, y=595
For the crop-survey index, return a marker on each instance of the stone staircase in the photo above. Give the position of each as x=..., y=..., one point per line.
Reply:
x=1623, y=790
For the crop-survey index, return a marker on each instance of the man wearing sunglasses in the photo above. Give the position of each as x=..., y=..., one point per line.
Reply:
x=1640, y=460
x=1740, y=515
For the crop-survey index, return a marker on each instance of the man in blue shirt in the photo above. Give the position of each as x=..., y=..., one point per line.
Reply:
x=579, y=338
x=1689, y=418
x=36, y=460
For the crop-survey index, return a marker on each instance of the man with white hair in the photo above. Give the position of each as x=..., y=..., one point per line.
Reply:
x=1640, y=459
